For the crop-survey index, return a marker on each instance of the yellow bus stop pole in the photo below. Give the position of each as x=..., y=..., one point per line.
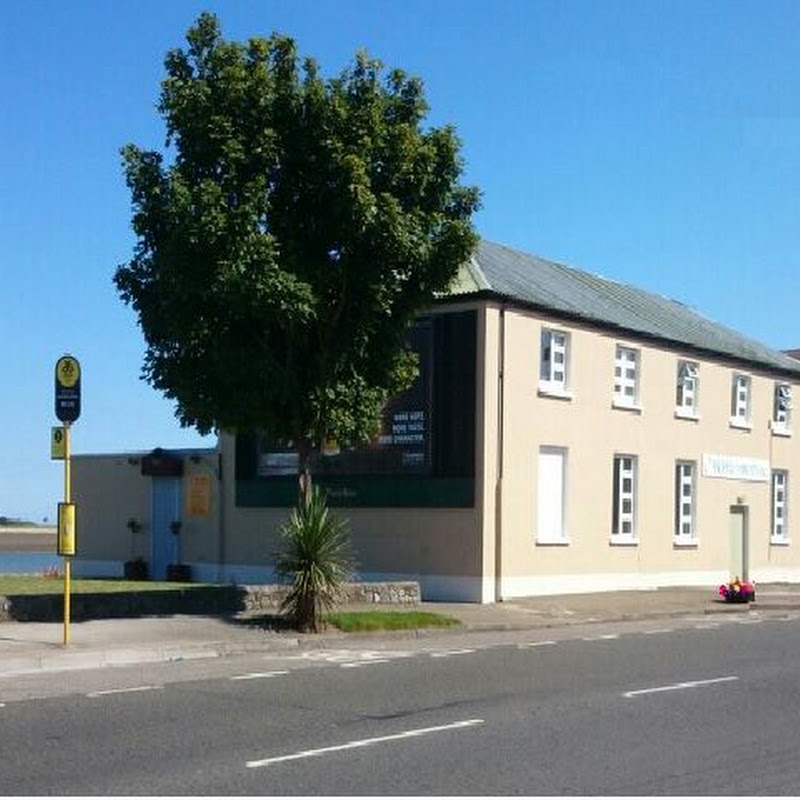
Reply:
x=67, y=499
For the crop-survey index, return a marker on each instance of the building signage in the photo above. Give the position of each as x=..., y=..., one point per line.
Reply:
x=161, y=464
x=736, y=468
x=198, y=498
x=404, y=443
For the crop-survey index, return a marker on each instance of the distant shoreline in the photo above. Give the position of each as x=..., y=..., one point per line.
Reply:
x=24, y=539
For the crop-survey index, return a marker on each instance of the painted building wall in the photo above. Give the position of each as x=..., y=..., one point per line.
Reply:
x=443, y=548
x=492, y=550
x=591, y=430
x=109, y=490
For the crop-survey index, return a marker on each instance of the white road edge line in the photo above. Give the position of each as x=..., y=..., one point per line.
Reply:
x=251, y=676
x=105, y=692
x=448, y=653
x=676, y=686
x=363, y=743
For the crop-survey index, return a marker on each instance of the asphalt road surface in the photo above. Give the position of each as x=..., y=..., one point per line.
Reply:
x=699, y=708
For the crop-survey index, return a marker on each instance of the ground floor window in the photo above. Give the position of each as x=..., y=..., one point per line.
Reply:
x=685, y=532
x=780, y=530
x=623, y=521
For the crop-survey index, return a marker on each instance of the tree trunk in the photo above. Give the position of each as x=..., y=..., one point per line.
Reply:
x=303, y=472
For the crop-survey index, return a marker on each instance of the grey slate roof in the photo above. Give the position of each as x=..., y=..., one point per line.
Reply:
x=496, y=270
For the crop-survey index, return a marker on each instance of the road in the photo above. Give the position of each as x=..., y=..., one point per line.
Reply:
x=692, y=707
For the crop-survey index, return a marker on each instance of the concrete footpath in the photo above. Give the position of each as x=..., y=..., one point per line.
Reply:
x=28, y=647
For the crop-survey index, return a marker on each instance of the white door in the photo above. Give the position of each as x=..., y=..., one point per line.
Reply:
x=166, y=505
x=550, y=498
x=738, y=542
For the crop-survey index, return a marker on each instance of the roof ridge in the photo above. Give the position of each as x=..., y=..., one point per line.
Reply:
x=531, y=279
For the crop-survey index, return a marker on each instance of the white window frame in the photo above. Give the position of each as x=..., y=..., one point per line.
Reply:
x=685, y=500
x=782, y=409
x=625, y=469
x=779, y=517
x=550, y=537
x=627, y=360
x=554, y=377
x=741, y=400
x=686, y=389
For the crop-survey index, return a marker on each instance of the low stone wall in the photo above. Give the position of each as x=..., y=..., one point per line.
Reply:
x=200, y=600
x=269, y=598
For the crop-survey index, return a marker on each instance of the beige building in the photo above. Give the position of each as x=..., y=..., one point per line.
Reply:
x=567, y=434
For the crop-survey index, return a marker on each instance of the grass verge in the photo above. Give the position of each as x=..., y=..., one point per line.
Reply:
x=33, y=584
x=354, y=621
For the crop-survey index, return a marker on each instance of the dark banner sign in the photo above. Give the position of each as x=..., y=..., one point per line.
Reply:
x=424, y=454
x=403, y=446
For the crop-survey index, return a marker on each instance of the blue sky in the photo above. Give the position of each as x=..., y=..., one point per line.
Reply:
x=656, y=143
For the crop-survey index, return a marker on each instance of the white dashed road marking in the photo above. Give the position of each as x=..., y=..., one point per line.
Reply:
x=448, y=653
x=132, y=689
x=251, y=676
x=601, y=638
x=676, y=686
x=355, y=664
x=349, y=656
x=526, y=645
x=264, y=762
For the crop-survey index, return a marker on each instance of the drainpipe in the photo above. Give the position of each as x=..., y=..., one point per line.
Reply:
x=221, y=513
x=498, y=501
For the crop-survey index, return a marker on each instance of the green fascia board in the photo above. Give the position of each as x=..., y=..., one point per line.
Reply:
x=361, y=492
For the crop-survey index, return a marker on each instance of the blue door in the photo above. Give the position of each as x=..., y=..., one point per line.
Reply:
x=166, y=509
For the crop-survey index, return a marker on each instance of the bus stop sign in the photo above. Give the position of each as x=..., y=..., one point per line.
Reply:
x=68, y=389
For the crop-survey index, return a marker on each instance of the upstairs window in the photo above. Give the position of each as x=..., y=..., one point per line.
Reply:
x=740, y=401
x=782, y=407
x=626, y=377
x=554, y=361
x=686, y=389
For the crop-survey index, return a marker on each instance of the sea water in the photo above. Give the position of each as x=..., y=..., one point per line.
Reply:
x=28, y=563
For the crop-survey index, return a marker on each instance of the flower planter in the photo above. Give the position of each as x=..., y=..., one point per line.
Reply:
x=181, y=573
x=738, y=591
x=135, y=570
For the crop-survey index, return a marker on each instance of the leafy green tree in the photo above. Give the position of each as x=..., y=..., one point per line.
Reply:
x=287, y=237
x=316, y=559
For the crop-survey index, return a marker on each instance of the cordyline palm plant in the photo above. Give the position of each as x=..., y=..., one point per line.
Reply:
x=316, y=558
